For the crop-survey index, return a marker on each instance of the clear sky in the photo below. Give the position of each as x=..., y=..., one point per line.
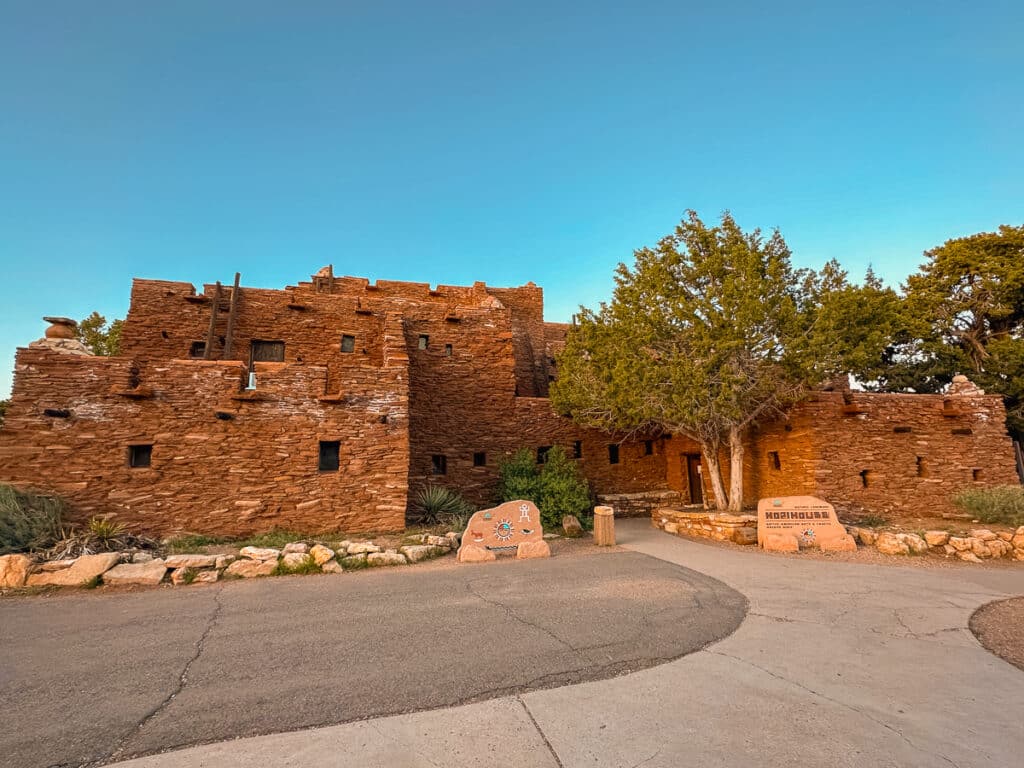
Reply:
x=506, y=142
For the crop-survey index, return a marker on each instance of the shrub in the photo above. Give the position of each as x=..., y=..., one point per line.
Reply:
x=438, y=504
x=558, y=488
x=307, y=566
x=1001, y=504
x=28, y=520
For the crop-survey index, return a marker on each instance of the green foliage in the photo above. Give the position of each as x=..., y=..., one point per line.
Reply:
x=963, y=312
x=440, y=505
x=28, y=521
x=189, y=575
x=1002, y=504
x=871, y=521
x=92, y=582
x=192, y=542
x=307, y=566
x=557, y=487
x=101, y=337
x=105, y=531
x=274, y=539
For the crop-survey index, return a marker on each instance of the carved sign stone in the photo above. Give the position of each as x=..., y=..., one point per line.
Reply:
x=513, y=525
x=787, y=523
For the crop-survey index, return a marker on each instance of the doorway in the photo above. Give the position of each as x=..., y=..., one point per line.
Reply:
x=694, y=477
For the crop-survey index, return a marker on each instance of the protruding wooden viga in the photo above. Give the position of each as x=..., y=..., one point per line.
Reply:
x=604, y=526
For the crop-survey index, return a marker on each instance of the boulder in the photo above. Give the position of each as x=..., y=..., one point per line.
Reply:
x=531, y=549
x=385, y=558
x=438, y=541
x=142, y=557
x=296, y=560
x=839, y=544
x=984, y=534
x=1018, y=554
x=190, y=561
x=571, y=526
x=890, y=544
x=299, y=547
x=1018, y=541
x=936, y=538
x=980, y=547
x=321, y=554
x=83, y=570
x=332, y=566
x=915, y=543
x=180, y=576
x=55, y=565
x=147, y=574
x=362, y=548
x=999, y=548
x=969, y=557
x=474, y=554
x=867, y=538
x=353, y=561
x=1005, y=535
x=959, y=543
x=948, y=549
x=206, y=577
x=14, y=570
x=260, y=553
x=223, y=561
x=418, y=552
x=668, y=528
x=248, y=569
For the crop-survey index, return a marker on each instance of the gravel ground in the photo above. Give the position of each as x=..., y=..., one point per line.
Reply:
x=999, y=627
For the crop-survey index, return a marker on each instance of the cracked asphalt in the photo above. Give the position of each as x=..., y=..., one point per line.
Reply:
x=836, y=664
x=97, y=677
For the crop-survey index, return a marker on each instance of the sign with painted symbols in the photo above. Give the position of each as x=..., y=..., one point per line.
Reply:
x=515, y=525
x=792, y=522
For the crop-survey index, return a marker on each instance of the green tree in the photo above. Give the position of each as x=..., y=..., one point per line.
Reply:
x=964, y=313
x=100, y=337
x=710, y=331
x=557, y=486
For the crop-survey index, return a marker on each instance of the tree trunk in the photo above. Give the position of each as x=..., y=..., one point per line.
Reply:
x=736, y=470
x=715, y=471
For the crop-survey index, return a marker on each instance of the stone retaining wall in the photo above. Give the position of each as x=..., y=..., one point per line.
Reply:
x=721, y=526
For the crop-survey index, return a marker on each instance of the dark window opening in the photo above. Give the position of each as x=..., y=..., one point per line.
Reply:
x=613, y=454
x=962, y=431
x=197, y=349
x=447, y=350
x=577, y=449
x=330, y=451
x=140, y=456
x=57, y=413
x=383, y=418
x=773, y=460
x=902, y=430
x=479, y=459
x=976, y=475
x=164, y=334
x=424, y=341
x=348, y=343
x=648, y=447
x=865, y=476
x=542, y=454
x=922, y=467
x=439, y=464
x=788, y=427
x=267, y=351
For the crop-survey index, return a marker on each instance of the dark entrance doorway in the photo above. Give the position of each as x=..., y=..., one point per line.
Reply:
x=693, y=477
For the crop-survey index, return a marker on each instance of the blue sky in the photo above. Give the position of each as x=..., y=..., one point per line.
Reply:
x=505, y=142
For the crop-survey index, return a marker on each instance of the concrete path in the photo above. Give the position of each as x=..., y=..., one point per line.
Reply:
x=94, y=677
x=836, y=665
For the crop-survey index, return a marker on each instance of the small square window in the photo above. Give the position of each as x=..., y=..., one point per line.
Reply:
x=613, y=454
x=648, y=447
x=348, y=343
x=542, y=453
x=140, y=456
x=439, y=464
x=577, y=449
x=447, y=350
x=267, y=351
x=424, y=341
x=329, y=455
x=197, y=349
x=479, y=459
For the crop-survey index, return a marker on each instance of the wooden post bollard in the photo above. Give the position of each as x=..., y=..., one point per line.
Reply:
x=604, y=526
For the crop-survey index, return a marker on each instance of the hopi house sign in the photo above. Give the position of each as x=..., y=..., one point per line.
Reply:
x=787, y=523
x=515, y=525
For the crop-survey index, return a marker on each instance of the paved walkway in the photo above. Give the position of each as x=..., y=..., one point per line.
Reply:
x=836, y=664
x=95, y=677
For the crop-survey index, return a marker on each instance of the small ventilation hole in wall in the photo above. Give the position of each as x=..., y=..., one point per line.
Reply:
x=865, y=478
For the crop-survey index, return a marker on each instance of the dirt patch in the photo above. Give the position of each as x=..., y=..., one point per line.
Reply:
x=999, y=627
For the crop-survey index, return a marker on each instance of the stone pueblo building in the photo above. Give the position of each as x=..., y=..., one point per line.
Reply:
x=327, y=405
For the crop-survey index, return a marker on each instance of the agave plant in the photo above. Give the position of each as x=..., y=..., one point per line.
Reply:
x=438, y=504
